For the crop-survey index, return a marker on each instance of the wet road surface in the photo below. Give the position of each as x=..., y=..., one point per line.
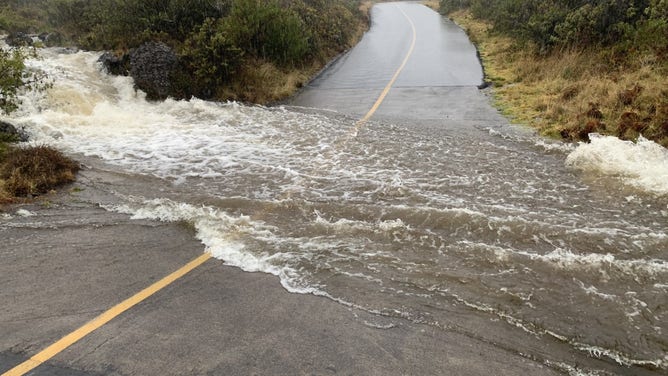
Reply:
x=434, y=238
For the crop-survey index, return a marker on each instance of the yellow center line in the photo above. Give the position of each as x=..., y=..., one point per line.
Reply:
x=113, y=312
x=104, y=318
x=387, y=88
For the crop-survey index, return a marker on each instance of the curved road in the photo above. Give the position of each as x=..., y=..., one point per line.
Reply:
x=438, y=80
x=453, y=248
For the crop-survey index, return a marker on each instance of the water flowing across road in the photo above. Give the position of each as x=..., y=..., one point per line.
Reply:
x=435, y=211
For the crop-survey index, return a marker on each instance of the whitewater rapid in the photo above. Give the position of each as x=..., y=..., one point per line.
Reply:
x=568, y=243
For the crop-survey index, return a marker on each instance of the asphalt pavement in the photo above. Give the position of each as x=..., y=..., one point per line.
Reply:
x=64, y=260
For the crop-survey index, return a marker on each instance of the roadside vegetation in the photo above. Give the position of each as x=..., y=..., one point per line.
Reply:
x=574, y=67
x=256, y=51
x=11, y=78
x=249, y=50
x=28, y=171
x=25, y=171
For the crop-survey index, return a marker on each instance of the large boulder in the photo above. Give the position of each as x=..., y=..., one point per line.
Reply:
x=152, y=67
x=9, y=131
x=19, y=39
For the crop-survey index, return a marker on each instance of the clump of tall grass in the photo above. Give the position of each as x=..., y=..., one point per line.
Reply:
x=33, y=170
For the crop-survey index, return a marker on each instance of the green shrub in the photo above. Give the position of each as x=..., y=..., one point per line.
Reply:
x=447, y=6
x=211, y=56
x=575, y=23
x=11, y=78
x=600, y=23
x=14, y=77
x=331, y=25
x=176, y=18
x=75, y=15
x=266, y=30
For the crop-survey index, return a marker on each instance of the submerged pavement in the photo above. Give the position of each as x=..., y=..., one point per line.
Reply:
x=65, y=260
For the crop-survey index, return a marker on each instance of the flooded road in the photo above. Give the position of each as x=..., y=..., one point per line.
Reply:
x=435, y=211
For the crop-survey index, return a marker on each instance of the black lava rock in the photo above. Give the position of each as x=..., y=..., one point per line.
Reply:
x=152, y=67
x=13, y=132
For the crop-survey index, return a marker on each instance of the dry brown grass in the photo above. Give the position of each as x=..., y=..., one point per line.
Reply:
x=433, y=4
x=572, y=93
x=262, y=82
x=365, y=7
x=29, y=171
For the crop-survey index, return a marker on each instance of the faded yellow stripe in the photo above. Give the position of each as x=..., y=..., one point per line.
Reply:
x=104, y=318
x=107, y=316
x=387, y=88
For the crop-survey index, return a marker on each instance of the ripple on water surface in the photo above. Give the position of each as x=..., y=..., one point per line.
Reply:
x=431, y=227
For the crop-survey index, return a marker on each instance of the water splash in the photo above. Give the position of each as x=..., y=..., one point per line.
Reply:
x=642, y=164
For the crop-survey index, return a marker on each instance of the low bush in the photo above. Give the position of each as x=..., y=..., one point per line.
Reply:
x=11, y=78
x=550, y=24
x=210, y=57
x=14, y=77
x=268, y=31
x=28, y=171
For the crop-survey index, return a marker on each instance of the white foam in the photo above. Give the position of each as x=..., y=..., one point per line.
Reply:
x=643, y=164
x=531, y=328
x=380, y=326
x=343, y=225
x=223, y=236
x=595, y=261
x=573, y=370
x=24, y=213
x=620, y=358
x=593, y=290
x=568, y=260
x=554, y=145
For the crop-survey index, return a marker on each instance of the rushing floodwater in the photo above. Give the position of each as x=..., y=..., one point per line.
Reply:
x=562, y=250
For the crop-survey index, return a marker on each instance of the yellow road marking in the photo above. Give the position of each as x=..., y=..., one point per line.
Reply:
x=387, y=88
x=110, y=314
x=104, y=318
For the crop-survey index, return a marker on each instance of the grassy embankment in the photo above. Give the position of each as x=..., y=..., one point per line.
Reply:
x=567, y=91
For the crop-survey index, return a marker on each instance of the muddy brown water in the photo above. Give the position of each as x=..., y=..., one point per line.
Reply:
x=435, y=211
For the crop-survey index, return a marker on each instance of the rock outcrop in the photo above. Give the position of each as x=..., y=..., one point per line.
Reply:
x=13, y=132
x=19, y=39
x=152, y=66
